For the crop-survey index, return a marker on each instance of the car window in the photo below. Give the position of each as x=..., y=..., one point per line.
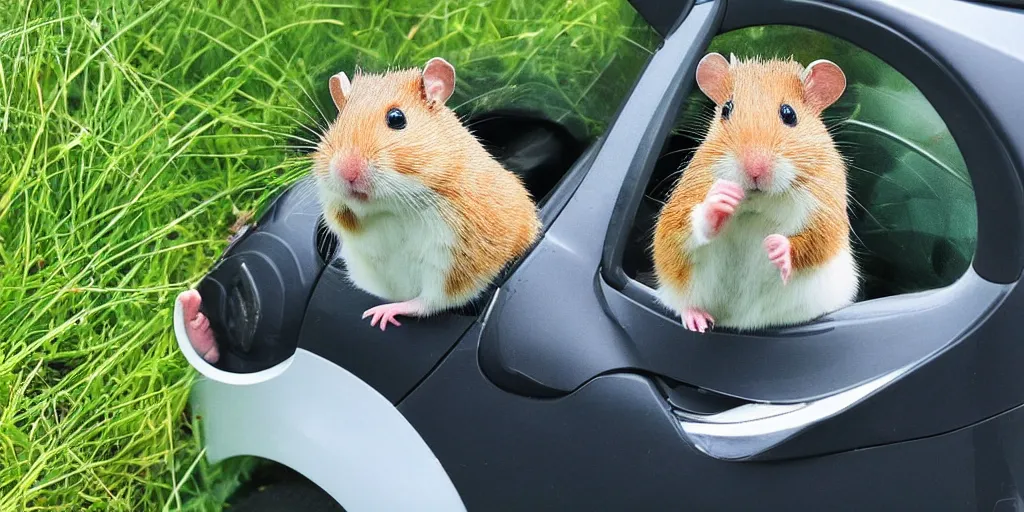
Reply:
x=573, y=62
x=912, y=206
x=576, y=71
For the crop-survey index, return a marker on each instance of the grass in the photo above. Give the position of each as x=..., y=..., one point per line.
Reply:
x=134, y=132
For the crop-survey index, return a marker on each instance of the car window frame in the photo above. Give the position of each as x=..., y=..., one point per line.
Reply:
x=996, y=266
x=740, y=15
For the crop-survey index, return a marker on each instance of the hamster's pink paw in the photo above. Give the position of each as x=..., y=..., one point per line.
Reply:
x=697, y=320
x=779, y=253
x=197, y=326
x=387, y=312
x=721, y=203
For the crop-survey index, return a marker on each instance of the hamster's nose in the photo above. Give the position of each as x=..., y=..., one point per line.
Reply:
x=349, y=167
x=757, y=164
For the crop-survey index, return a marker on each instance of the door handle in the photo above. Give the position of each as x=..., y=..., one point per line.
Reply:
x=747, y=431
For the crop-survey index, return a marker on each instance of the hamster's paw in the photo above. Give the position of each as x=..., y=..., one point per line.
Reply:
x=697, y=320
x=197, y=327
x=387, y=312
x=779, y=253
x=721, y=203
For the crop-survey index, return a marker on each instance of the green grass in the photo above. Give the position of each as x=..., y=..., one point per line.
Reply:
x=133, y=132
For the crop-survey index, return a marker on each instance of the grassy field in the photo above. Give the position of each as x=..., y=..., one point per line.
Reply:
x=133, y=133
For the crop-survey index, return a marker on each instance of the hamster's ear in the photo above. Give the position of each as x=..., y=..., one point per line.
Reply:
x=824, y=83
x=713, y=77
x=438, y=81
x=340, y=87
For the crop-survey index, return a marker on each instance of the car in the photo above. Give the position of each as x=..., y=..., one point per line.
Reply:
x=567, y=386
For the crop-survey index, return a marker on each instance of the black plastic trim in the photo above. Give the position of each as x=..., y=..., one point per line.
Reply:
x=807, y=362
x=562, y=192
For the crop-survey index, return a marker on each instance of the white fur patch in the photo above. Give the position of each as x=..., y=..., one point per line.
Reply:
x=404, y=249
x=734, y=281
x=700, y=228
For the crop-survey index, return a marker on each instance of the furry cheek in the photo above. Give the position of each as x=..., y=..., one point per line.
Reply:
x=728, y=167
x=783, y=175
x=392, y=188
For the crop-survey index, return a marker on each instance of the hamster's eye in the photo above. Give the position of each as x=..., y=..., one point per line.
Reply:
x=396, y=119
x=788, y=115
x=727, y=109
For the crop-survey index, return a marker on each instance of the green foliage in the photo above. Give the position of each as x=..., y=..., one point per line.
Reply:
x=913, y=207
x=134, y=131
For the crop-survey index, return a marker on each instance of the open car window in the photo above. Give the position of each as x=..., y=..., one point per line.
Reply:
x=911, y=203
x=916, y=224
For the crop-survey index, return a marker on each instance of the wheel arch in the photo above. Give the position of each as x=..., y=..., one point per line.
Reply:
x=333, y=429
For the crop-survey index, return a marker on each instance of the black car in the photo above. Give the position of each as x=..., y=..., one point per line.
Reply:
x=568, y=387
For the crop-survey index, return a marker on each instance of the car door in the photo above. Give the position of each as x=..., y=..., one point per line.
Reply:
x=885, y=370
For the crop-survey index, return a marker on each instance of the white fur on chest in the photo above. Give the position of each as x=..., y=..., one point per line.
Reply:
x=733, y=279
x=400, y=257
x=403, y=248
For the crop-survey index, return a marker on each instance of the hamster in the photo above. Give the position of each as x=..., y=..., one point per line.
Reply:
x=755, y=233
x=427, y=218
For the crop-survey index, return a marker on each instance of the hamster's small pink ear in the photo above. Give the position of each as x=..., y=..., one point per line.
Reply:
x=340, y=87
x=438, y=81
x=824, y=83
x=713, y=77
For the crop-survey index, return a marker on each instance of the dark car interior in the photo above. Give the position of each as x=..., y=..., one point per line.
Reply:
x=537, y=149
